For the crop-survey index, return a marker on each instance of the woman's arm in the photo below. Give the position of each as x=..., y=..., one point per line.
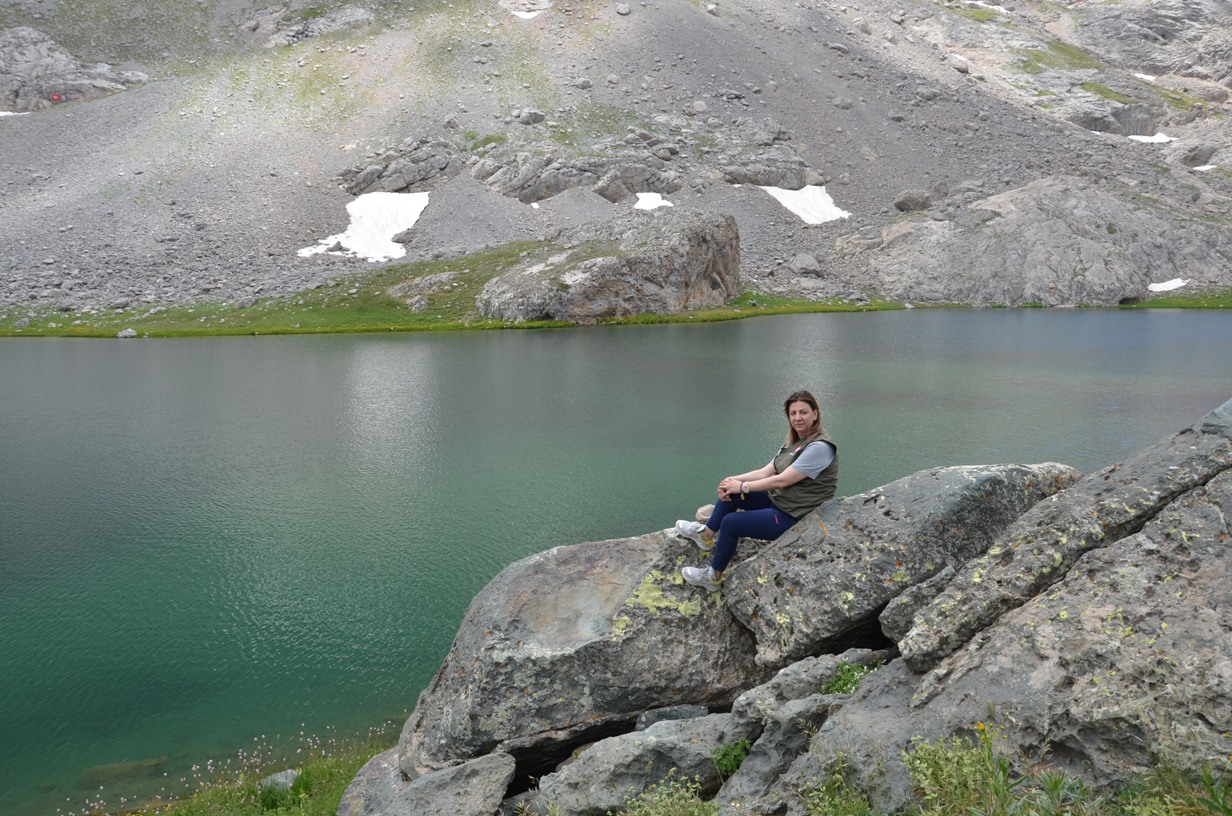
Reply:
x=731, y=484
x=760, y=473
x=760, y=480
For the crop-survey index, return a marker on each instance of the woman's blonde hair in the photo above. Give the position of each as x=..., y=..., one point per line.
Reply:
x=811, y=401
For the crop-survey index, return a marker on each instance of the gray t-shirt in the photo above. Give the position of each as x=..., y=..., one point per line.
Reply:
x=815, y=458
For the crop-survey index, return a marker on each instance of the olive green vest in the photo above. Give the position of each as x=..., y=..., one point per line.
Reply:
x=806, y=495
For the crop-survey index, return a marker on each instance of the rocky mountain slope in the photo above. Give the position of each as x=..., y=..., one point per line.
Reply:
x=983, y=152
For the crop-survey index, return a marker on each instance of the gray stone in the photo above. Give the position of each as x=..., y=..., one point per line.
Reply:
x=283, y=780
x=832, y=573
x=374, y=787
x=806, y=264
x=912, y=200
x=474, y=788
x=610, y=772
x=1039, y=548
x=898, y=617
x=680, y=712
x=36, y=73
x=667, y=260
x=536, y=673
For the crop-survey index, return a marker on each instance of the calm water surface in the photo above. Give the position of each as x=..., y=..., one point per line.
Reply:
x=207, y=542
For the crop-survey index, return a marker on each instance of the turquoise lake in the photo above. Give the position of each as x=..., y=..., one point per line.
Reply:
x=211, y=543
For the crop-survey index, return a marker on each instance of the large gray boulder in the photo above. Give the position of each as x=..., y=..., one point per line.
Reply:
x=829, y=576
x=606, y=775
x=1123, y=665
x=571, y=645
x=1023, y=246
x=667, y=260
x=36, y=73
x=1038, y=549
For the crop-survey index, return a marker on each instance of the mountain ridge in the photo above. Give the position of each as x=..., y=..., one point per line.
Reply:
x=958, y=135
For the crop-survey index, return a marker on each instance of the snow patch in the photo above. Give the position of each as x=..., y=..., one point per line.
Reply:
x=813, y=204
x=1158, y=138
x=1145, y=77
x=375, y=219
x=1168, y=286
x=650, y=201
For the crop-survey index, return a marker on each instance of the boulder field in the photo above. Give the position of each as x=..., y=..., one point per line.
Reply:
x=1087, y=619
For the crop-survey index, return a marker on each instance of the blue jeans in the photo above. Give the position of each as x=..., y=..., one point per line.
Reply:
x=760, y=519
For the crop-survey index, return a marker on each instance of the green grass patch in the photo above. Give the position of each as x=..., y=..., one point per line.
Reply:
x=1213, y=299
x=1102, y=90
x=326, y=766
x=846, y=678
x=1178, y=99
x=755, y=304
x=980, y=14
x=384, y=300
x=1056, y=54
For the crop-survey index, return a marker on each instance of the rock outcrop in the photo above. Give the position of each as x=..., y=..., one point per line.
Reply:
x=657, y=261
x=1026, y=246
x=1042, y=546
x=1118, y=657
x=829, y=577
x=36, y=73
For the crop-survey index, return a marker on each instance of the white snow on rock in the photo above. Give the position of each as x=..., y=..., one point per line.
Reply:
x=375, y=219
x=649, y=201
x=1168, y=286
x=1158, y=138
x=813, y=204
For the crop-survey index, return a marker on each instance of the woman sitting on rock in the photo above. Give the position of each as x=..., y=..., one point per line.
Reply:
x=802, y=475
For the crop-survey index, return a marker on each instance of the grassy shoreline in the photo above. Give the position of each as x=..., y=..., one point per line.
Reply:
x=425, y=296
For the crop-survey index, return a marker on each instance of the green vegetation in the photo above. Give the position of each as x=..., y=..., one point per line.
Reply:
x=326, y=767
x=1218, y=299
x=1099, y=89
x=1178, y=99
x=444, y=293
x=970, y=776
x=835, y=795
x=378, y=302
x=965, y=775
x=846, y=678
x=671, y=798
x=730, y=756
x=1056, y=55
x=980, y=14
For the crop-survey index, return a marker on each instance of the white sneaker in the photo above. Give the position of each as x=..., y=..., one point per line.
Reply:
x=702, y=577
x=692, y=530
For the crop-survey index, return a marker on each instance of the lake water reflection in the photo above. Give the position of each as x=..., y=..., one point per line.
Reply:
x=206, y=541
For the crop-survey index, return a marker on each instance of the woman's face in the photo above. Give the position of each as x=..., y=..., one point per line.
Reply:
x=802, y=417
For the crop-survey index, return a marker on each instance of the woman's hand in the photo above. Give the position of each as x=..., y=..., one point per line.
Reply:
x=728, y=487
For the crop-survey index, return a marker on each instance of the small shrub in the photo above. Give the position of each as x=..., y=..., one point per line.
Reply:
x=729, y=757
x=846, y=678
x=836, y=796
x=671, y=798
x=949, y=776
